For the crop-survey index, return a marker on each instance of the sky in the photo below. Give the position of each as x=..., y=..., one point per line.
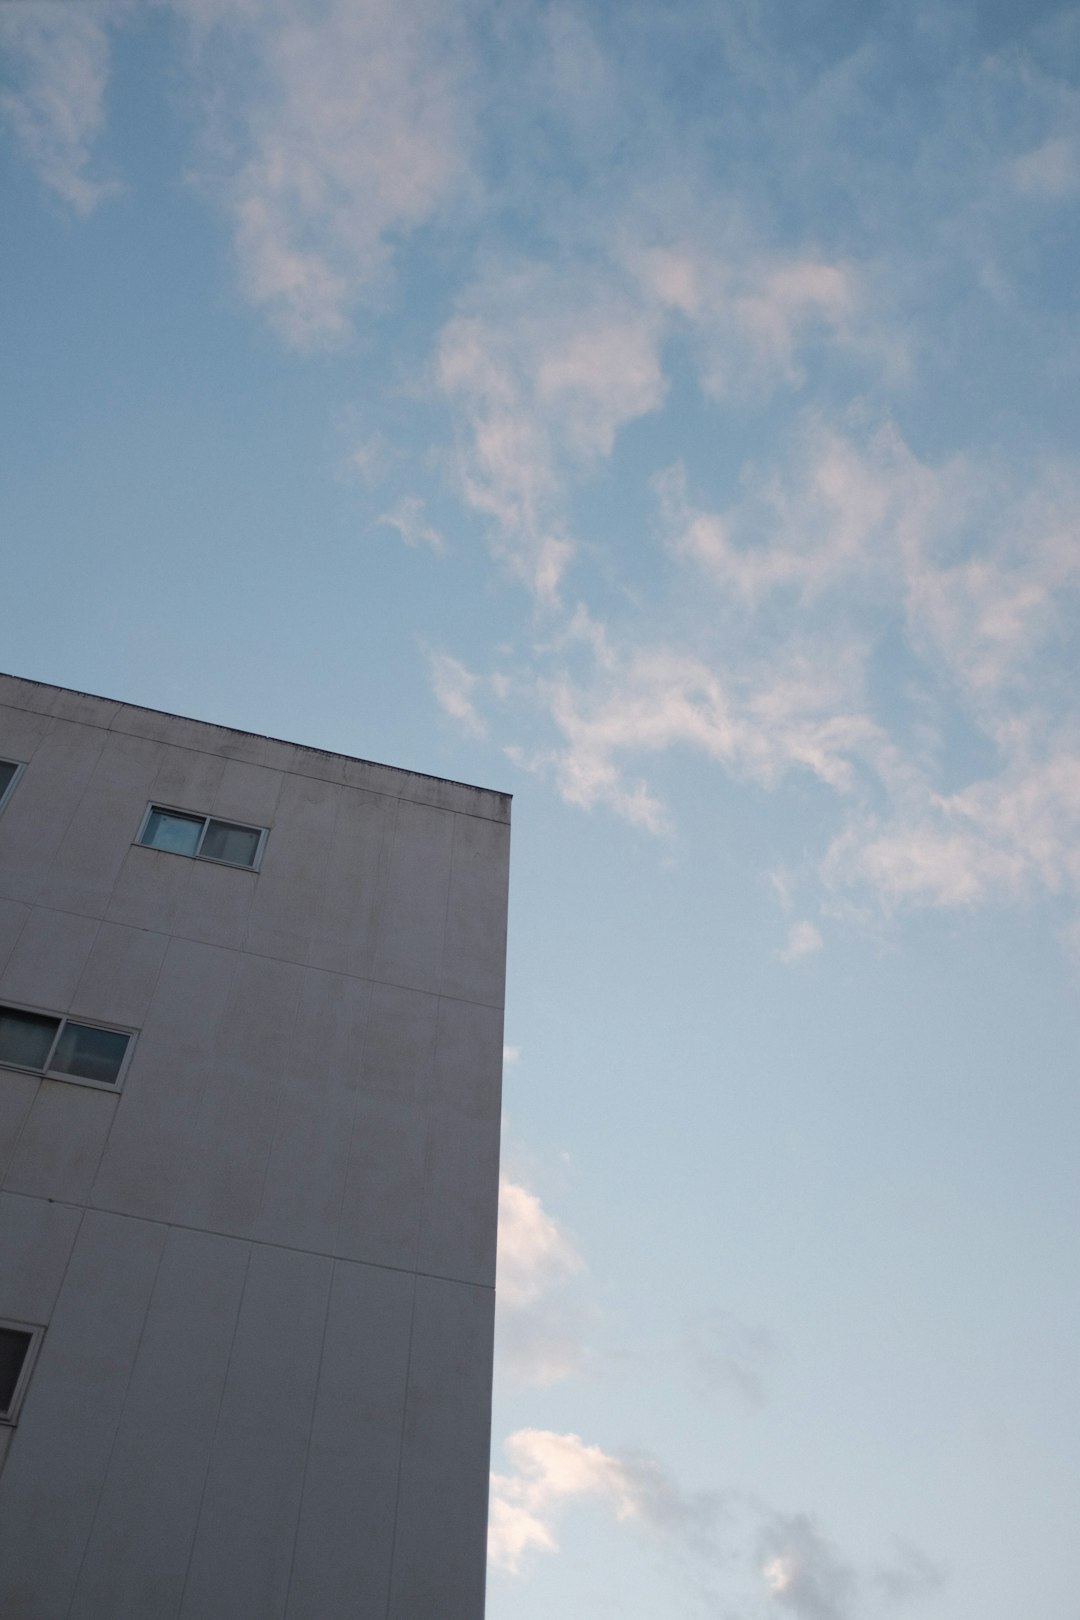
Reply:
x=666, y=412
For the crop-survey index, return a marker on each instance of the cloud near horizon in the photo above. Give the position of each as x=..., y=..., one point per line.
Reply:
x=778, y=1562
x=550, y=1470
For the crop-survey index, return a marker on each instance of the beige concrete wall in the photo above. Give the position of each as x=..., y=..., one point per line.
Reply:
x=266, y=1265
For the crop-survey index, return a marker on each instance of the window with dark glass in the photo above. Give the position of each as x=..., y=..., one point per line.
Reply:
x=206, y=837
x=64, y=1048
x=17, y=1346
x=9, y=771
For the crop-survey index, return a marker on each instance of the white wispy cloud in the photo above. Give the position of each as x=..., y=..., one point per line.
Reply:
x=344, y=130
x=1051, y=169
x=54, y=101
x=1008, y=837
x=984, y=559
x=542, y=369
x=733, y=1546
x=803, y=939
x=758, y=723
x=806, y=1575
x=751, y=313
x=369, y=459
x=549, y=1470
x=407, y=518
x=455, y=687
x=541, y=1327
x=847, y=536
x=803, y=1573
x=534, y=1251
x=804, y=527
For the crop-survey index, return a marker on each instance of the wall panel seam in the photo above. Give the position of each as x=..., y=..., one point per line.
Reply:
x=19, y=1134
x=310, y=1434
x=253, y=1242
x=262, y=956
x=401, y=1453
x=212, y=1448
x=116, y=1430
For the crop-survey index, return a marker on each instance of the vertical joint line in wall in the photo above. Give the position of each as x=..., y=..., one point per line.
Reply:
x=428, y=1129
x=311, y=1431
x=401, y=1451
x=67, y=1009
x=380, y=880
x=13, y=1442
x=10, y=1160
x=324, y=887
x=30, y=909
x=429, y=1111
x=214, y=1442
x=446, y=909
x=382, y=885
x=119, y=1422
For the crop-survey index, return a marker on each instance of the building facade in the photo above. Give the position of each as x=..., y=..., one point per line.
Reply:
x=250, y=1062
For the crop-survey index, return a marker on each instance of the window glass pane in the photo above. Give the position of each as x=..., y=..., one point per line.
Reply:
x=7, y=775
x=224, y=842
x=25, y=1037
x=92, y=1054
x=14, y=1343
x=165, y=829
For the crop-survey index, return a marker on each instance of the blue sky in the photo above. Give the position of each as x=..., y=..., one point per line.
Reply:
x=667, y=413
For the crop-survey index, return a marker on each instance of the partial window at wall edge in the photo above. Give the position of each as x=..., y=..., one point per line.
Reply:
x=19, y=1343
x=10, y=771
x=58, y=1047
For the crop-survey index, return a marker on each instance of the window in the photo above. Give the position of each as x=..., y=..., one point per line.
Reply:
x=204, y=836
x=18, y=1347
x=63, y=1048
x=9, y=775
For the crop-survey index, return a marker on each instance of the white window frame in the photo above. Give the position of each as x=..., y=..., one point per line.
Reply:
x=197, y=815
x=63, y=1019
x=20, y=766
x=11, y=1416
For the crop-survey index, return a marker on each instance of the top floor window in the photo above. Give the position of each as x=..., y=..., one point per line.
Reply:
x=9, y=775
x=205, y=837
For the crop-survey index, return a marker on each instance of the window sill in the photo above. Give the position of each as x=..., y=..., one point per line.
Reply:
x=207, y=860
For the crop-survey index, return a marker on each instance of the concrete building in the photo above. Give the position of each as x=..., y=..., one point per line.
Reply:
x=250, y=1060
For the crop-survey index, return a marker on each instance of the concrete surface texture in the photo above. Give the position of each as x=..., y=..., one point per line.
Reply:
x=265, y=1264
